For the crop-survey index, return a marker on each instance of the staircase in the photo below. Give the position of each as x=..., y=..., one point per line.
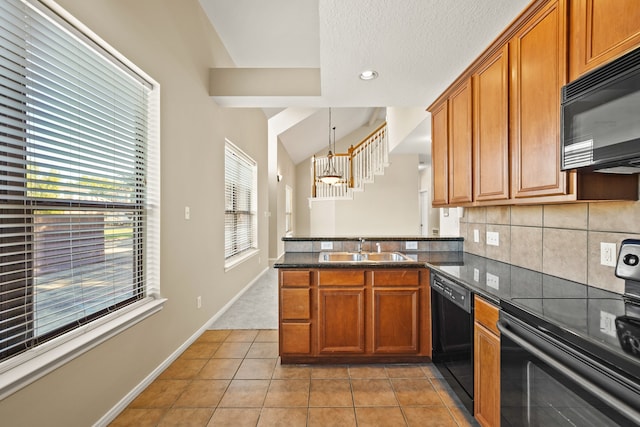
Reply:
x=357, y=167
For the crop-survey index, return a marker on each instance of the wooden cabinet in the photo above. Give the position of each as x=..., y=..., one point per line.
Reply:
x=295, y=311
x=452, y=148
x=396, y=311
x=538, y=72
x=341, y=311
x=460, y=144
x=440, y=153
x=600, y=31
x=490, y=125
x=376, y=315
x=486, y=364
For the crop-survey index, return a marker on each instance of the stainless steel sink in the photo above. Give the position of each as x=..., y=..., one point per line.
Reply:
x=363, y=257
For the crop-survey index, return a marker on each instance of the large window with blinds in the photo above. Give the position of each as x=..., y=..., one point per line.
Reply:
x=76, y=184
x=241, y=195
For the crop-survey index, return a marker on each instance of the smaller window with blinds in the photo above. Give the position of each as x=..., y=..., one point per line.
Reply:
x=241, y=200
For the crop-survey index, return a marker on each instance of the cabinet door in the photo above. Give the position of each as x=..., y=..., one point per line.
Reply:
x=460, y=145
x=341, y=317
x=601, y=30
x=490, y=123
x=486, y=399
x=538, y=72
x=396, y=317
x=439, y=154
x=295, y=338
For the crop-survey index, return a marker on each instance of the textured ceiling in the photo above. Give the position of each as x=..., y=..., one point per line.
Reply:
x=418, y=48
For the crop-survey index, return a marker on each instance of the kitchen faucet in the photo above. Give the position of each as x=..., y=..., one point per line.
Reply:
x=360, y=244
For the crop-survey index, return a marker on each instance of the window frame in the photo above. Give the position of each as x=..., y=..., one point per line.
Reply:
x=243, y=160
x=26, y=367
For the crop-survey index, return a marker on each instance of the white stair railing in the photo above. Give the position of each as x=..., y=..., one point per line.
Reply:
x=358, y=166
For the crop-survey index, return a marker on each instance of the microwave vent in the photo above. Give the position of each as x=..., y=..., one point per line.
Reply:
x=590, y=81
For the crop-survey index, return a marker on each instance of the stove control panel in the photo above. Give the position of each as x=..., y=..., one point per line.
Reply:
x=628, y=265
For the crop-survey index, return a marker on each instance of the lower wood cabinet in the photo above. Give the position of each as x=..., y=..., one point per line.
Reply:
x=486, y=399
x=354, y=315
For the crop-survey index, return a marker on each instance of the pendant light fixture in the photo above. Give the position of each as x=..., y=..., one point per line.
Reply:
x=330, y=176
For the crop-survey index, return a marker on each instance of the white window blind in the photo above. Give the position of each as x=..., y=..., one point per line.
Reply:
x=240, y=220
x=75, y=182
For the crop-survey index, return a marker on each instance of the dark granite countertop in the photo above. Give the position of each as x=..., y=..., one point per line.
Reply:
x=373, y=238
x=422, y=260
x=585, y=315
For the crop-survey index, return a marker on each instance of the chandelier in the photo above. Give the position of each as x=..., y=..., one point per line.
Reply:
x=330, y=176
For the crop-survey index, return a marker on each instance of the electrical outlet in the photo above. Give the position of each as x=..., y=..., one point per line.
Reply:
x=326, y=246
x=411, y=246
x=608, y=254
x=476, y=235
x=493, y=238
x=493, y=281
x=199, y=302
x=187, y=212
x=476, y=275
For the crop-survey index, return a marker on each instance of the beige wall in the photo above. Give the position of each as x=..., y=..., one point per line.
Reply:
x=174, y=43
x=387, y=207
x=287, y=169
x=561, y=240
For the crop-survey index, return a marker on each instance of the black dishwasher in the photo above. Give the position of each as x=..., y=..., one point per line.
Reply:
x=452, y=319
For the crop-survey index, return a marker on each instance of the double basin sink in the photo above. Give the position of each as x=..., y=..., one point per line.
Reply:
x=363, y=257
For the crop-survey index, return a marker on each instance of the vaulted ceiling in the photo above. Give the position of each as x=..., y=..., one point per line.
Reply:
x=417, y=47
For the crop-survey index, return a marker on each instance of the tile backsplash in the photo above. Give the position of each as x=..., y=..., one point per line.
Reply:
x=561, y=240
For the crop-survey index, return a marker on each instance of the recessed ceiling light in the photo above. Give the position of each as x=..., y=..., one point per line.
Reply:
x=368, y=75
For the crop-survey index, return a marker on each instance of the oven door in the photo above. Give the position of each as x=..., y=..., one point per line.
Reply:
x=546, y=383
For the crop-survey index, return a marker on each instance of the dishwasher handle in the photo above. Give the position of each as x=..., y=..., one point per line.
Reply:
x=505, y=330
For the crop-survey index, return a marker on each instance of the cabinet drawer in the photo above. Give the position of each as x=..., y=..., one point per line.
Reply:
x=295, y=338
x=486, y=314
x=396, y=278
x=341, y=277
x=295, y=278
x=295, y=304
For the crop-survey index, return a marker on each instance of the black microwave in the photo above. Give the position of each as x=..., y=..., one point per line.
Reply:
x=600, y=115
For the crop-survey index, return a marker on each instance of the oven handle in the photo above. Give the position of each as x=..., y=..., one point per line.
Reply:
x=613, y=401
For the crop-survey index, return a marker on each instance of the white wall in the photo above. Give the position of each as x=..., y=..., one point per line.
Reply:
x=175, y=44
x=287, y=170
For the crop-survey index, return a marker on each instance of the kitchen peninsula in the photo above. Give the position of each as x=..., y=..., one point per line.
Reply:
x=358, y=300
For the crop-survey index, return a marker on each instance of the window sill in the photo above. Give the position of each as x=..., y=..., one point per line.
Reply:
x=25, y=368
x=239, y=259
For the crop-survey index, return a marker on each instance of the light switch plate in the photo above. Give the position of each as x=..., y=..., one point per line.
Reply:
x=476, y=235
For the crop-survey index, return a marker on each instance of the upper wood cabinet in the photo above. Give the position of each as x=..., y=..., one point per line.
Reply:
x=538, y=72
x=490, y=127
x=451, y=145
x=460, y=144
x=599, y=31
x=439, y=153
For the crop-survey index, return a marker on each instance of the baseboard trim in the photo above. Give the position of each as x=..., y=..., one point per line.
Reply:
x=111, y=415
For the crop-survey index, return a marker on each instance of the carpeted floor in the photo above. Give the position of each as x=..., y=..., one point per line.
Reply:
x=257, y=308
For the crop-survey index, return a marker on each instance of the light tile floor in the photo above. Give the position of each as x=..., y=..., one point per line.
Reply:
x=234, y=378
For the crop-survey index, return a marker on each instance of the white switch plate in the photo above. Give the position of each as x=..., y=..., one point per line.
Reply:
x=608, y=254
x=608, y=323
x=476, y=275
x=493, y=281
x=198, y=302
x=326, y=246
x=411, y=246
x=476, y=235
x=493, y=238
x=187, y=212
